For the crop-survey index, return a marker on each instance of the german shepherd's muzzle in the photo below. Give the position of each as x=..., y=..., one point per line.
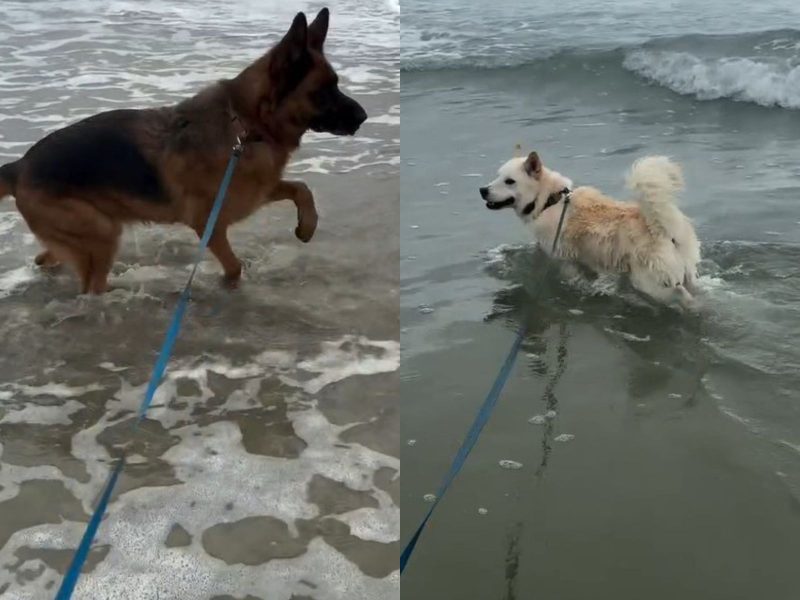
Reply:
x=78, y=186
x=338, y=114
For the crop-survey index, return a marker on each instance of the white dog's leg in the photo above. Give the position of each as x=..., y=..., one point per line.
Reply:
x=651, y=285
x=690, y=283
x=569, y=271
x=648, y=284
x=685, y=298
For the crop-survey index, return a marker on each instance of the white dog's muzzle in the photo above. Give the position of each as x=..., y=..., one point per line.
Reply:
x=495, y=204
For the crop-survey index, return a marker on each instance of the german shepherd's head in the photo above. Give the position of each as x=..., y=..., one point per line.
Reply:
x=294, y=84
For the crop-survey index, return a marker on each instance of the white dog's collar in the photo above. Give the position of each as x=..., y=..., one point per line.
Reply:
x=552, y=200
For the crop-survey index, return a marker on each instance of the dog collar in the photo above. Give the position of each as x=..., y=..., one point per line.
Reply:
x=552, y=200
x=242, y=133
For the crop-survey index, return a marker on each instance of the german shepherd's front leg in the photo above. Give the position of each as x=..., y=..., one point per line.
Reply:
x=303, y=199
x=221, y=249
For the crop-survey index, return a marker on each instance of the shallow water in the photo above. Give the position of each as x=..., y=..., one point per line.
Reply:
x=268, y=466
x=671, y=467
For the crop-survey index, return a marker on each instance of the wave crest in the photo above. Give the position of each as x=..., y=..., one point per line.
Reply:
x=744, y=79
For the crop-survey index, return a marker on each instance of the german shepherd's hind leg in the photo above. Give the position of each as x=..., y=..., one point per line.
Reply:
x=101, y=253
x=91, y=259
x=71, y=252
x=75, y=232
x=221, y=248
x=299, y=193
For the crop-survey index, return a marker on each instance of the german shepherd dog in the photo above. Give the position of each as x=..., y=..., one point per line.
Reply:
x=77, y=187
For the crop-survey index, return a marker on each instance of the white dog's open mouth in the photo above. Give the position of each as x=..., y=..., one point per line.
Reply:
x=498, y=204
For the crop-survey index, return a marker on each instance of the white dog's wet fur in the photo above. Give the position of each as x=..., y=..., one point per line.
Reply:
x=651, y=240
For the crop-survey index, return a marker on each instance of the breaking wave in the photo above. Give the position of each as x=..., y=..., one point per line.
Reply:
x=765, y=83
x=758, y=67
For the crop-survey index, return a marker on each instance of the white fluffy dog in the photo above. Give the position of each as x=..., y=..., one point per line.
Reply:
x=651, y=240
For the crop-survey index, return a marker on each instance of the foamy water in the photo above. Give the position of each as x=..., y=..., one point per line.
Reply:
x=213, y=469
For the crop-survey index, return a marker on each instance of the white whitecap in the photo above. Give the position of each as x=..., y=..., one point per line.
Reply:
x=768, y=83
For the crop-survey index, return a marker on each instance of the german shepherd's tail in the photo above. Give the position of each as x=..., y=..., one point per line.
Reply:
x=8, y=179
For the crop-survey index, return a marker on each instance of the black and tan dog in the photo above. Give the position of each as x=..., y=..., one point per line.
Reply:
x=80, y=185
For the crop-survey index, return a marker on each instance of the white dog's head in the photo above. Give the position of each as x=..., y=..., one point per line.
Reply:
x=525, y=184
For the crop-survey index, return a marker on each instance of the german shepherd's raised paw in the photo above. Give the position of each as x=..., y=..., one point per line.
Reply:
x=46, y=260
x=77, y=187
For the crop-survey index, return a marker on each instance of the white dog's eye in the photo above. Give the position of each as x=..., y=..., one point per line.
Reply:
x=510, y=181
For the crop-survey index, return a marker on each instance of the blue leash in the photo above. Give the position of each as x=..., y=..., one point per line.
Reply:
x=73, y=573
x=481, y=418
x=469, y=441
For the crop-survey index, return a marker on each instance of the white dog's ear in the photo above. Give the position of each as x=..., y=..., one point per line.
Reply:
x=533, y=165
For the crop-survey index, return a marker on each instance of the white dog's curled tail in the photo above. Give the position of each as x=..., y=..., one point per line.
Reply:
x=656, y=180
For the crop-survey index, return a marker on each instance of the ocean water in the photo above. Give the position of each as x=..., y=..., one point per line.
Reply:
x=268, y=466
x=658, y=454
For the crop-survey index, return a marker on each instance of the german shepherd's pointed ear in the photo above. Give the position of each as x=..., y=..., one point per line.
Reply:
x=293, y=45
x=318, y=30
x=533, y=165
x=290, y=61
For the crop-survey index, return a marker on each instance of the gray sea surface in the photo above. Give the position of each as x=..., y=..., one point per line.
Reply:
x=658, y=454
